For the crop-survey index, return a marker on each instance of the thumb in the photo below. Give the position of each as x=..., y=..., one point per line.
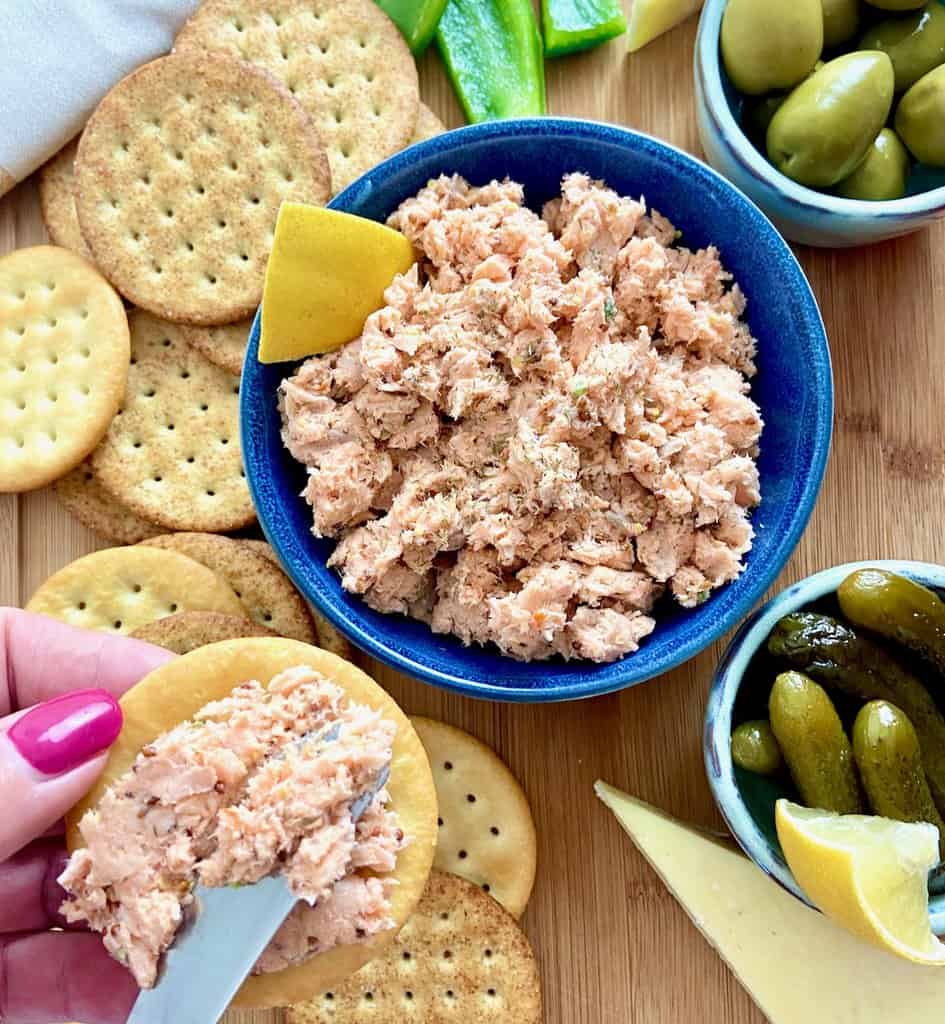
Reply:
x=50, y=755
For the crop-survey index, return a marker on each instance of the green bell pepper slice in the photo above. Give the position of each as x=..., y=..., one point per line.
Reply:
x=573, y=25
x=494, y=56
x=416, y=19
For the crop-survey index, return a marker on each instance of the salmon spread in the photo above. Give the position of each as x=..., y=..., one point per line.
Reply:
x=547, y=426
x=243, y=790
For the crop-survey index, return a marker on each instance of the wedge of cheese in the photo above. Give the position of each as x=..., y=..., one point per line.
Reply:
x=327, y=273
x=795, y=964
x=651, y=18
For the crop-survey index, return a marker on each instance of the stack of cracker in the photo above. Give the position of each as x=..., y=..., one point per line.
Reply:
x=462, y=956
x=182, y=591
x=170, y=197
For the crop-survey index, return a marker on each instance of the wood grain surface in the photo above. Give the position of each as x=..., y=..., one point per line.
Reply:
x=613, y=944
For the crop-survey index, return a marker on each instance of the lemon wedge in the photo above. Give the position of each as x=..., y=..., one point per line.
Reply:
x=866, y=873
x=327, y=273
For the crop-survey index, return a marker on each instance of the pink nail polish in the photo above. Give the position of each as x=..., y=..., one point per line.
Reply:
x=64, y=732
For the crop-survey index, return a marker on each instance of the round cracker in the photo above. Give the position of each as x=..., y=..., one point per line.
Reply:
x=460, y=958
x=224, y=346
x=63, y=363
x=121, y=589
x=328, y=636
x=344, y=60
x=80, y=493
x=57, y=201
x=173, y=454
x=486, y=832
x=179, y=177
x=266, y=592
x=180, y=688
x=186, y=631
x=428, y=125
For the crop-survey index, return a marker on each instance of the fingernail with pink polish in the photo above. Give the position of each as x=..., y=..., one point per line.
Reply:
x=67, y=731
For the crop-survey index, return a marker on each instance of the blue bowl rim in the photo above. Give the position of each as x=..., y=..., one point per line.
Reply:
x=823, y=431
x=708, y=71
x=724, y=691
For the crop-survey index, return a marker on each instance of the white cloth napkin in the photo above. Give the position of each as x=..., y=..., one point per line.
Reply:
x=58, y=58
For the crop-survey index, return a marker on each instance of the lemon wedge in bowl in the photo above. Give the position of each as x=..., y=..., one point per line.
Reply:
x=868, y=874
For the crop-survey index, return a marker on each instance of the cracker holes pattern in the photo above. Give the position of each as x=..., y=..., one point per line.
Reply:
x=160, y=252
x=319, y=53
x=170, y=390
x=47, y=370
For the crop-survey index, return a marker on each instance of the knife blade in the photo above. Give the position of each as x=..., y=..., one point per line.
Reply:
x=225, y=931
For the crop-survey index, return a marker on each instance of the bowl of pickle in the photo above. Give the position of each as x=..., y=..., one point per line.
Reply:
x=828, y=113
x=832, y=696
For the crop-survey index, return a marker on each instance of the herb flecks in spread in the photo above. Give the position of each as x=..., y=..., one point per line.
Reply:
x=230, y=796
x=546, y=426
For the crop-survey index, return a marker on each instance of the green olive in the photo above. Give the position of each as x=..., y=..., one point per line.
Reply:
x=755, y=749
x=768, y=46
x=921, y=117
x=882, y=174
x=826, y=126
x=915, y=43
x=896, y=5
x=841, y=21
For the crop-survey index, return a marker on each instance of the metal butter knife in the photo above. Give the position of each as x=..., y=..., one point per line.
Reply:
x=225, y=932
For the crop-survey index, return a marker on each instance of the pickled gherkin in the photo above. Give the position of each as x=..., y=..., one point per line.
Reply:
x=897, y=608
x=755, y=748
x=815, y=747
x=835, y=655
x=889, y=759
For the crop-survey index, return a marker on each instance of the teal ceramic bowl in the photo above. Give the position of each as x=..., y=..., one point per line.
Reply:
x=739, y=692
x=801, y=214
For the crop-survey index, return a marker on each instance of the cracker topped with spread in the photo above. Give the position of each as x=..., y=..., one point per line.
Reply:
x=216, y=779
x=179, y=176
x=344, y=60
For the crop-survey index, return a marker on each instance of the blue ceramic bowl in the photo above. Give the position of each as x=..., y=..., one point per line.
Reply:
x=793, y=387
x=802, y=214
x=746, y=800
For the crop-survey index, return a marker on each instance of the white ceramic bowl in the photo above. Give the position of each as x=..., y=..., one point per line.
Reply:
x=747, y=801
x=801, y=214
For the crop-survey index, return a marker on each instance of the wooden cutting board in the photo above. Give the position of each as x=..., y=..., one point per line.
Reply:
x=613, y=945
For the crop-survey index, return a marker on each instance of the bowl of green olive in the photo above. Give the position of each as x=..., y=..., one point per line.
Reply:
x=829, y=114
x=833, y=695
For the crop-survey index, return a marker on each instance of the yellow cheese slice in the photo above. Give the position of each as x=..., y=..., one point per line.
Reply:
x=327, y=273
x=651, y=18
x=795, y=964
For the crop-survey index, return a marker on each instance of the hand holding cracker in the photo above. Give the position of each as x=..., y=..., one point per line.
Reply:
x=57, y=688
